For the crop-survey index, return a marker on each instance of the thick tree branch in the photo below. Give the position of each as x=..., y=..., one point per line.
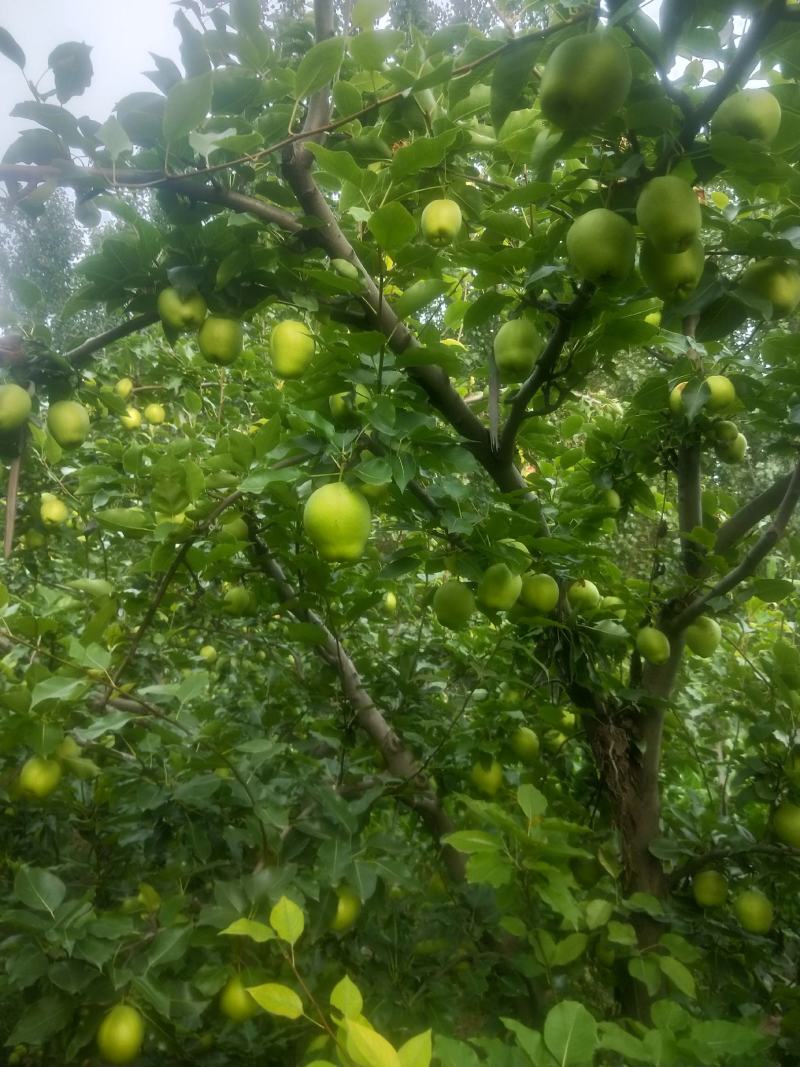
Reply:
x=763, y=546
x=750, y=514
x=78, y=356
x=400, y=761
x=721, y=855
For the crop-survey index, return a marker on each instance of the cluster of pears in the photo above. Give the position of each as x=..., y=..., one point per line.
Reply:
x=500, y=588
x=720, y=397
x=337, y=521
x=39, y=776
x=751, y=907
x=221, y=339
x=154, y=414
x=67, y=420
x=702, y=636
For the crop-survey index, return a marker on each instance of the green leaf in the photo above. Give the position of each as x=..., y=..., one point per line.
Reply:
x=422, y=154
x=287, y=920
x=615, y=1039
x=532, y=802
x=112, y=134
x=417, y=1051
x=726, y=1039
x=277, y=999
x=346, y=998
x=419, y=295
x=512, y=72
x=569, y=949
x=470, y=841
x=10, y=49
x=256, y=931
x=771, y=590
x=319, y=66
x=188, y=104
x=530, y=1041
x=392, y=226
x=368, y=1049
x=57, y=687
x=340, y=164
x=598, y=912
x=39, y=889
x=372, y=48
x=621, y=933
x=647, y=972
x=365, y=12
x=680, y=976
x=41, y=1021
x=72, y=69
x=167, y=946
x=570, y=1033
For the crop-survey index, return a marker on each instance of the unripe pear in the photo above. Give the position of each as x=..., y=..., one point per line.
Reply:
x=499, y=588
x=703, y=636
x=348, y=908
x=776, y=281
x=235, y=1002
x=291, y=347
x=601, y=246
x=155, y=414
x=132, y=419
x=586, y=80
x=754, y=114
x=539, y=592
x=653, y=645
x=68, y=423
x=583, y=595
x=453, y=604
x=181, y=313
x=53, y=511
x=39, y=777
x=390, y=603
x=124, y=388
x=337, y=521
x=720, y=391
x=611, y=499
x=754, y=911
x=710, y=889
x=725, y=432
x=487, y=778
x=669, y=213
x=220, y=340
x=673, y=277
x=733, y=451
x=15, y=406
x=676, y=398
x=237, y=601
x=517, y=345
x=525, y=744
x=441, y=221
x=786, y=824
x=208, y=653
x=121, y=1034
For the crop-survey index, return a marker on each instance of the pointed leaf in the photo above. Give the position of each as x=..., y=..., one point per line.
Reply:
x=680, y=976
x=368, y=1049
x=286, y=919
x=570, y=1033
x=417, y=1051
x=277, y=999
x=256, y=931
x=346, y=996
x=39, y=889
x=318, y=66
x=187, y=105
x=10, y=49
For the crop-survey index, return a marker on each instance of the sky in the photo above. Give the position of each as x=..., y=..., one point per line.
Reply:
x=121, y=36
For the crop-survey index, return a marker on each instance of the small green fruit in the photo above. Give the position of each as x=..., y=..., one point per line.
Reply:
x=292, y=347
x=583, y=595
x=53, y=511
x=499, y=588
x=775, y=281
x=235, y=1002
x=123, y=388
x=703, y=636
x=348, y=908
x=676, y=398
x=180, y=313
x=15, y=406
x=208, y=653
x=390, y=603
x=220, y=340
x=132, y=419
x=653, y=645
x=487, y=778
x=734, y=451
x=786, y=824
x=725, y=432
x=517, y=345
x=68, y=423
x=441, y=222
x=720, y=391
x=39, y=777
x=155, y=414
x=673, y=277
x=525, y=744
x=710, y=889
x=453, y=604
x=754, y=911
x=539, y=592
x=337, y=521
x=121, y=1034
x=586, y=80
x=237, y=601
x=601, y=246
x=669, y=213
x=754, y=114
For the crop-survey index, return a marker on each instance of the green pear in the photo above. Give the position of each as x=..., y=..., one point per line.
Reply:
x=676, y=398
x=720, y=392
x=441, y=221
x=68, y=423
x=754, y=114
x=499, y=588
x=672, y=276
x=517, y=345
x=725, y=432
x=786, y=824
x=487, y=778
x=754, y=911
x=453, y=604
x=775, y=281
x=586, y=80
x=539, y=592
x=703, y=636
x=337, y=521
x=710, y=889
x=181, y=312
x=601, y=246
x=669, y=213
x=220, y=340
x=734, y=451
x=653, y=645
x=15, y=406
x=583, y=595
x=525, y=744
x=291, y=346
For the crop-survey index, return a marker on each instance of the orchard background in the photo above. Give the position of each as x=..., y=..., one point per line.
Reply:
x=488, y=754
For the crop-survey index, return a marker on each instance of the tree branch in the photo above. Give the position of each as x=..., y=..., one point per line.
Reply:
x=717, y=855
x=690, y=504
x=760, y=549
x=750, y=514
x=77, y=356
x=399, y=760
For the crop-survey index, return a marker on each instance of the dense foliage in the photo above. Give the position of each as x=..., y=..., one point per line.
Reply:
x=403, y=629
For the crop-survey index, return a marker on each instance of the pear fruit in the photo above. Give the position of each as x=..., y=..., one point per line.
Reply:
x=132, y=419
x=53, y=511
x=611, y=499
x=583, y=595
x=775, y=281
x=121, y=1034
x=441, y=221
x=39, y=777
x=754, y=114
x=220, y=340
x=703, y=636
x=337, y=521
x=15, y=406
x=653, y=645
x=235, y=1002
x=181, y=312
x=237, y=601
x=68, y=423
x=155, y=414
x=123, y=388
x=725, y=431
x=672, y=277
x=517, y=345
x=601, y=246
x=732, y=451
x=786, y=824
x=390, y=603
x=539, y=592
x=710, y=889
x=499, y=588
x=291, y=347
x=453, y=604
x=720, y=392
x=676, y=398
x=669, y=213
x=525, y=744
x=487, y=778
x=208, y=653
x=754, y=911
x=586, y=80
x=348, y=908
